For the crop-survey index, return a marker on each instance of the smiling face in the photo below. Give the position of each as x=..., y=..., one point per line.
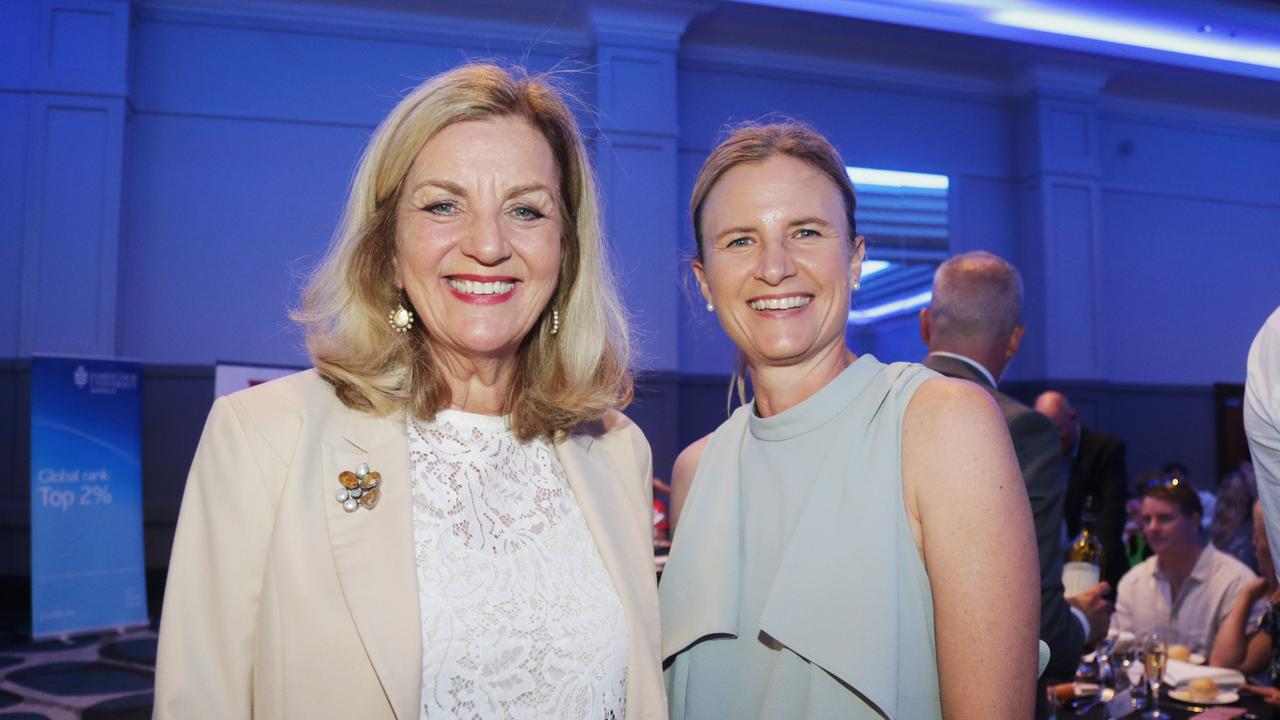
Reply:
x=478, y=233
x=1166, y=527
x=777, y=262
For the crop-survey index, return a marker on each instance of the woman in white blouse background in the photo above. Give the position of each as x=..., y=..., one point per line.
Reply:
x=446, y=517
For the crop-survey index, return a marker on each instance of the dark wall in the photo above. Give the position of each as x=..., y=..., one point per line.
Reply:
x=15, y=466
x=1158, y=423
x=175, y=401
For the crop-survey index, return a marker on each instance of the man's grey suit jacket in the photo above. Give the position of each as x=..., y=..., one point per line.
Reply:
x=1040, y=457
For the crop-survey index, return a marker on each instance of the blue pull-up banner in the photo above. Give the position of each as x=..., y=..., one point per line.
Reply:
x=87, y=566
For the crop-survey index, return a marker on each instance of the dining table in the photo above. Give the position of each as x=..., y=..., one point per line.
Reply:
x=1255, y=709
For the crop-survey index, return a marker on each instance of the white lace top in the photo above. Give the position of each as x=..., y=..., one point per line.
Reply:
x=519, y=616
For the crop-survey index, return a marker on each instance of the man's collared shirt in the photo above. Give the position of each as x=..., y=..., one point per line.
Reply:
x=1144, y=602
x=967, y=361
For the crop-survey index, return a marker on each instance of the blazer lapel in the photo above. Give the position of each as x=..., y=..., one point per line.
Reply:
x=374, y=555
x=599, y=486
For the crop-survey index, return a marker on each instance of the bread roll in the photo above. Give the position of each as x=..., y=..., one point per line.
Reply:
x=1202, y=690
x=1180, y=652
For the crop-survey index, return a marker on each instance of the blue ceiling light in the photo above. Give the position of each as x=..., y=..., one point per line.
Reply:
x=1198, y=41
x=1220, y=37
x=871, y=267
x=866, y=316
x=897, y=178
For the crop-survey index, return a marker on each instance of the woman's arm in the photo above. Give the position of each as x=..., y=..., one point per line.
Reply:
x=682, y=478
x=204, y=665
x=1233, y=647
x=972, y=520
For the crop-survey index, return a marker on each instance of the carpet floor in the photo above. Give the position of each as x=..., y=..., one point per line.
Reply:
x=108, y=676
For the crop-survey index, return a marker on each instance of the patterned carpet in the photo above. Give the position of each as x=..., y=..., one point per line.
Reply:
x=106, y=676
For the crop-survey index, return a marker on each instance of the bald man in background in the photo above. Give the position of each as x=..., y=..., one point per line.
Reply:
x=973, y=329
x=1095, y=467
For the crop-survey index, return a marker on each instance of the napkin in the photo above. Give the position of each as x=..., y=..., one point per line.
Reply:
x=1177, y=672
x=1120, y=705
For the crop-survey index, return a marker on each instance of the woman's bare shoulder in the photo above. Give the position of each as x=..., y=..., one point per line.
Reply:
x=947, y=408
x=686, y=464
x=955, y=440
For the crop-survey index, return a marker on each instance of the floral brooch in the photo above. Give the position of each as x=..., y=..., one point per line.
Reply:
x=359, y=489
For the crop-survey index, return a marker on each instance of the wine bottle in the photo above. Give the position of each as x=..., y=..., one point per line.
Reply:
x=1083, y=567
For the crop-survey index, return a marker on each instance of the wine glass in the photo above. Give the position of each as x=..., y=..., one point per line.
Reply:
x=1102, y=657
x=1122, y=658
x=1155, y=653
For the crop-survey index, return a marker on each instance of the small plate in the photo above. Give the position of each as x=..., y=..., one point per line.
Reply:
x=1224, y=697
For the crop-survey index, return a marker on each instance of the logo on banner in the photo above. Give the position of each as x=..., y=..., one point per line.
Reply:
x=104, y=383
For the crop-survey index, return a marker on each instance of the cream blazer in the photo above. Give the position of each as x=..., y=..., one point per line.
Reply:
x=281, y=605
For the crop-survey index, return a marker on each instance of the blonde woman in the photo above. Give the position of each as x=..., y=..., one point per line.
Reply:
x=446, y=517
x=855, y=542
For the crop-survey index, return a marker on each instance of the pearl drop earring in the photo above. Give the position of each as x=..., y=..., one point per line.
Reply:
x=400, y=319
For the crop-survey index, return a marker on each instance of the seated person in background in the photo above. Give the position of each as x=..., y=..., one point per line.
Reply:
x=1208, y=497
x=1095, y=468
x=1249, y=648
x=1231, y=529
x=1188, y=587
x=1135, y=543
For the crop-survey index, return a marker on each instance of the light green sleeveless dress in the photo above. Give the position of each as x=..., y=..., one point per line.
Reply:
x=794, y=587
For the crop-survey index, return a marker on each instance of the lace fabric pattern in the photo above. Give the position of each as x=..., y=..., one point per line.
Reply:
x=519, y=616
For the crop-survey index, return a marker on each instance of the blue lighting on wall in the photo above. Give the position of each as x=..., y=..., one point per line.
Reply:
x=890, y=309
x=899, y=211
x=897, y=178
x=1199, y=34
x=1191, y=41
x=871, y=267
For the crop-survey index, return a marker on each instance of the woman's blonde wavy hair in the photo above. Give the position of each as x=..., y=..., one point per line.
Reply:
x=561, y=380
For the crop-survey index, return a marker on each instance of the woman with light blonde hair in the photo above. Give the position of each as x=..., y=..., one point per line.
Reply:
x=447, y=516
